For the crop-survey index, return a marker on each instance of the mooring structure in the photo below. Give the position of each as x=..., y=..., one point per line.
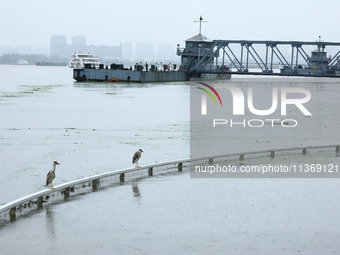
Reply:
x=202, y=56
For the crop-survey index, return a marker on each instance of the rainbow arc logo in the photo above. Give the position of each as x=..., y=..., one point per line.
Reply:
x=211, y=92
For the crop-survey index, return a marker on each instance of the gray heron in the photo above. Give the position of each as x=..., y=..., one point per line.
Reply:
x=51, y=174
x=136, y=157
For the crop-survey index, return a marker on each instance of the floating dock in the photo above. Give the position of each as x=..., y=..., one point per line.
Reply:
x=192, y=66
x=117, y=75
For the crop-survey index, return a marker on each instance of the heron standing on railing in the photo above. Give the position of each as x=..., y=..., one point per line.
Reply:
x=51, y=174
x=136, y=157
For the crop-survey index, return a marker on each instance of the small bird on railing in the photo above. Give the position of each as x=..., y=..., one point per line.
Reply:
x=136, y=157
x=51, y=174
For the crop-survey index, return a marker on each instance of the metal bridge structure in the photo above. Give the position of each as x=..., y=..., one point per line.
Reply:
x=265, y=55
x=62, y=192
x=204, y=56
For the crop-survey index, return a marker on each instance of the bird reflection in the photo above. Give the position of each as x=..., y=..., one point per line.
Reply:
x=135, y=189
x=50, y=222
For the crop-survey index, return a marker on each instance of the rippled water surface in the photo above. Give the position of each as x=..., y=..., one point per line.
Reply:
x=88, y=128
x=93, y=128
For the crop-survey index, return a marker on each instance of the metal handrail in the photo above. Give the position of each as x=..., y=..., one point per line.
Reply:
x=11, y=206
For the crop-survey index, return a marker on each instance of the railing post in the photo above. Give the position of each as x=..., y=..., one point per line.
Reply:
x=95, y=185
x=122, y=177
x=40, y=202
x=304, y=151
x=150, y=171
x=337, y=151
x=272, y=154
x=12, y=215
x=241, y=157
x=211, y=160
x=180, y=167
x=66, y=193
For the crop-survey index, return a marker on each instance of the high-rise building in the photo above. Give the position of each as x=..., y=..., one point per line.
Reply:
x=128, y=50
x=58, y=46
x=78, y=44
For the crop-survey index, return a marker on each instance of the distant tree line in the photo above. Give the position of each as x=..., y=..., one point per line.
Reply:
x=12, y=59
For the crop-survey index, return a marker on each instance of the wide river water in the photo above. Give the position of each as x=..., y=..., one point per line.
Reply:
x=91, y=128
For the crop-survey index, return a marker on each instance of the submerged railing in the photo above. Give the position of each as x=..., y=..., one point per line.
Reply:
x=9, y=211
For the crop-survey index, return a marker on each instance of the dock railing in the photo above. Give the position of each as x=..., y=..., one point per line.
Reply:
x=9, y=211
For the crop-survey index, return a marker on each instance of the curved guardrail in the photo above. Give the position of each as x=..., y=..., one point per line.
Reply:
x=36, y=200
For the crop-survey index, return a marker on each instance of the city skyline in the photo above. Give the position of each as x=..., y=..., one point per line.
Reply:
x=62, y=48
x=127, y=50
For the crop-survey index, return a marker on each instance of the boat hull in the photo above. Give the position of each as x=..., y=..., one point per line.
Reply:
x=114, y=75
x=81, y=75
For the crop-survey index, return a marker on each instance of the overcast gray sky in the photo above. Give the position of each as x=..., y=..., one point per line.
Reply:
x=168, y=21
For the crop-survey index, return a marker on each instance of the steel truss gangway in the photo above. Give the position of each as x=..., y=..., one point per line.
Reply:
x=262, y=57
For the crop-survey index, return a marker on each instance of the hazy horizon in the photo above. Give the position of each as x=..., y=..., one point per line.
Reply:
x=105, y=22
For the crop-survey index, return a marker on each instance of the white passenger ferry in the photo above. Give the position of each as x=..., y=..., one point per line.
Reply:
x=78, y=60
